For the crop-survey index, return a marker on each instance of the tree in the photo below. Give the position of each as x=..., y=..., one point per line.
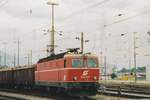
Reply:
x=132, y=70
x=113, y=76
x=123, y=70
x=114, y=69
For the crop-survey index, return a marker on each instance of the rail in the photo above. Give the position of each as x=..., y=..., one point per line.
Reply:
x=129, y=89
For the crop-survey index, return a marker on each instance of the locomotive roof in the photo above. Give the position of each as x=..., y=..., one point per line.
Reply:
x=80, y=55
x=52, y=57
x=63, y=55
x=58, y=56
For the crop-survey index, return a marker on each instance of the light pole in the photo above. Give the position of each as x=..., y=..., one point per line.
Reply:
x=105, y=68
x=5, y=43
x=27, y=58
x=0, y=59
x=52, y=36
x=82, y=42
x=14, y=59
x=18, y=52
x=134, y=54
x=129, y=59
x=18, y=42
x=31, y=57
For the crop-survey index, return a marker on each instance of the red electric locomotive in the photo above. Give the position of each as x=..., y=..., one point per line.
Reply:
x=74, y=73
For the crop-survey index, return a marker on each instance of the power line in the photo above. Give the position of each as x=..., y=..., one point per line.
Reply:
x=130, y=17
x=73, y=14
x=3, y=3
x=85, y=9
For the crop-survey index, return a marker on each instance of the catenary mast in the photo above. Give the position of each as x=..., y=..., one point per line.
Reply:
x=52, y=29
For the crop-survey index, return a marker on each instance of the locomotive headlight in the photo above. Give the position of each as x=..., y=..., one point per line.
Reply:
x=95, y=78
x=75, y=78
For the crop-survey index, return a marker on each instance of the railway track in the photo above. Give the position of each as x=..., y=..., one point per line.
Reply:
x=126, y=91
x=19, y=96
x=3, y=97
x=8, y=94
x=139, y=89
x=11, y=94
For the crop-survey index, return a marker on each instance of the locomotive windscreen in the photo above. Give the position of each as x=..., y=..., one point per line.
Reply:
x=92, y=62
x=80, y=62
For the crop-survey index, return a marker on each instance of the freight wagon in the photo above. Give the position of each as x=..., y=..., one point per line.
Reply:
x=19, y=76
x=6, y=77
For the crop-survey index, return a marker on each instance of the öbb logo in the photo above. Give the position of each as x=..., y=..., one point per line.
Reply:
x=85, y=73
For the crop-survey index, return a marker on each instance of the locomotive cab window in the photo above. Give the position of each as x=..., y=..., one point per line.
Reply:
x=92, y=63
x=77, y=63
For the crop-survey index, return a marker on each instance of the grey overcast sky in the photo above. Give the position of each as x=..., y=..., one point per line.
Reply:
x=26, y=19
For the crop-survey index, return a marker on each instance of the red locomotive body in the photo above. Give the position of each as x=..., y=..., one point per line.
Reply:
x=71, y=72
x=74, y=74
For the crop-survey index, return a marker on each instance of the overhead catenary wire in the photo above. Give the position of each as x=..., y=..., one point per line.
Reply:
x=3, y=3
x=73, y=14
x=80, y=11
x=130, y=17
